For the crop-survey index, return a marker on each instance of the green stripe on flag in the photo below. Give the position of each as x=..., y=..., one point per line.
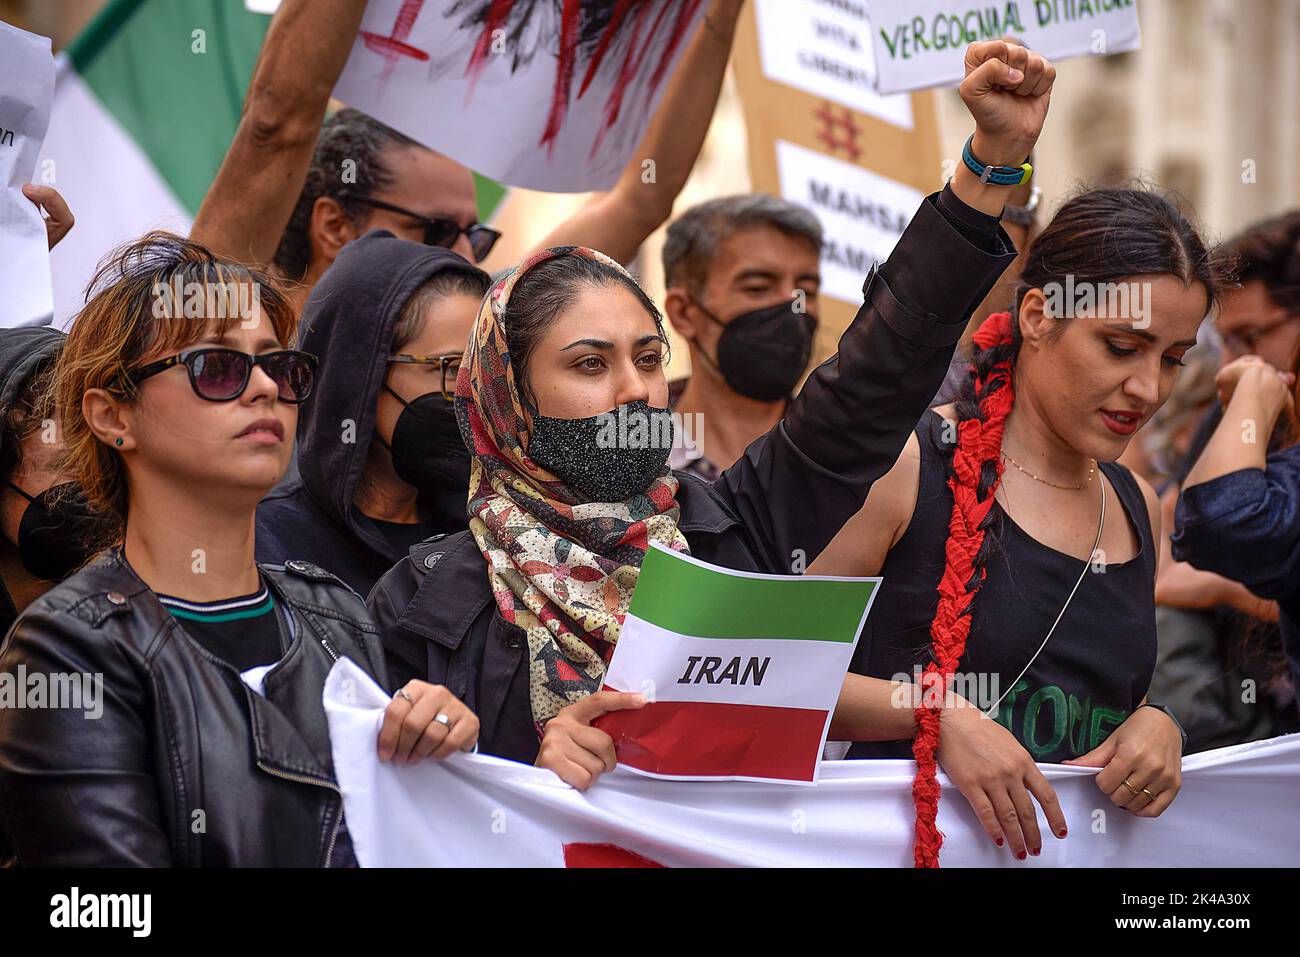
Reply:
x=686, y=598
x=490, y=194
x=181, y=107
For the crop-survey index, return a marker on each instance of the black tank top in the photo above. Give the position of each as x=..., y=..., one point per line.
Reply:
x=1092, y=673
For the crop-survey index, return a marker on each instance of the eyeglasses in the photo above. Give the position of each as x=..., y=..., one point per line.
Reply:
x=1243, y=343
x=437, y=232
x=220, y=375
x=447, y=365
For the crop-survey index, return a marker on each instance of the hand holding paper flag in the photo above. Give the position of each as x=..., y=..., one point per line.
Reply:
x=742, y=670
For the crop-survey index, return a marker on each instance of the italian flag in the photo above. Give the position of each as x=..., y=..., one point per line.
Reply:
x=742, y=670
x=146, y=102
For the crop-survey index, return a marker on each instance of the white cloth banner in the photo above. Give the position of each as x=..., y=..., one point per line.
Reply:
x=922, y=43
x=26, y=91
x=1236, y=809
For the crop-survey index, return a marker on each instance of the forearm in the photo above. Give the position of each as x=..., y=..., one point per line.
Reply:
x=1241, y=439
x=617, y=222
x=254, y=193
x=873, y=709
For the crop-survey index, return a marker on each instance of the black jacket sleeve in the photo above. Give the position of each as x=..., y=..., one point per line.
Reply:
x=795, y=487
x=76, y=788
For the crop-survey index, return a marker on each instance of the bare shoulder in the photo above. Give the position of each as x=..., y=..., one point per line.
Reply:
x=864, y=541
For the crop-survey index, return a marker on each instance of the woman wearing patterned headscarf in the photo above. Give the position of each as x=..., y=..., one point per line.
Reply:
x=562, y=402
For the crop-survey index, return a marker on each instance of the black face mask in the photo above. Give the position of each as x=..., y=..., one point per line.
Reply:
x=762, y=354
x=428, y=451
x=608, y=457
x=58, y=532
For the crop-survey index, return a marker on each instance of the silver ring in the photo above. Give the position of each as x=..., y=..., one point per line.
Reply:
x=444, y=719
x=403, y=693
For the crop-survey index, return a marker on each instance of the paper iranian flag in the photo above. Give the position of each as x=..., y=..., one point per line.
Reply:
x=742, y=670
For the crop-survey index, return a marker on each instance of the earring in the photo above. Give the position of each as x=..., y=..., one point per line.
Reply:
x=118, y=441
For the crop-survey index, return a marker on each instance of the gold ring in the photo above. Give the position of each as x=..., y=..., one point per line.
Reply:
x=1131, y=788
x=1148, y=794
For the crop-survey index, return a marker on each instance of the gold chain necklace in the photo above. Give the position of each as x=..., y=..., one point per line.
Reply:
x=1073, y=488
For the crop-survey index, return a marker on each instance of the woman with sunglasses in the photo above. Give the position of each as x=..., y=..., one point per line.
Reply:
x=181, y=721
x=381, y=464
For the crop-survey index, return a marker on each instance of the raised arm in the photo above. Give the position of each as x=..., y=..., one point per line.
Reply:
x=617, y=222
x=250, y=202
x=796, y=486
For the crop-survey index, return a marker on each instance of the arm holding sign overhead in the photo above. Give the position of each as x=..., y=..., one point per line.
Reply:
x=250, y=202
x=618, y=221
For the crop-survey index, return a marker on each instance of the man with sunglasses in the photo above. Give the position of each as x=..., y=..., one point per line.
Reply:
x=292, y=193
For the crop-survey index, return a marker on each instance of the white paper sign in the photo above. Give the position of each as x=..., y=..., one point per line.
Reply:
x=26, y=91
x=862, y=213
x=824, y=48
x=921, y=43
x=513, y=98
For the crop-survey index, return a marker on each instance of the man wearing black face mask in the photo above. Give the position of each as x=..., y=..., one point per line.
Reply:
x=48, y=531
x=381, y=464
x=742, y=276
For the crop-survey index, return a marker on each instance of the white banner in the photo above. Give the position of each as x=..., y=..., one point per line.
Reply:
x=1236, y=809
x=532, y=99
x=26, y=91
x=921, y=43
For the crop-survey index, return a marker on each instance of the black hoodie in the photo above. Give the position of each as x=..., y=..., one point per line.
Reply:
x=348, y=323
x=23, y=351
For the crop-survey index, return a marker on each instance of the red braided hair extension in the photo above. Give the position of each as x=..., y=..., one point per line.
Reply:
x=978, y=441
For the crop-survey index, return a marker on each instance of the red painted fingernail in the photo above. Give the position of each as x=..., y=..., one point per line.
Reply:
x=1020, y=855
x=1036, y=851
x=1000, y=842
x=1061, y=832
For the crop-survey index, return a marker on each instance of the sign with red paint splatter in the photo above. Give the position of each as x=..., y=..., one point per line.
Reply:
x=544, y=94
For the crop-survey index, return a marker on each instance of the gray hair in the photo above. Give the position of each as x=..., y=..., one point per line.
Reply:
x=694, y=237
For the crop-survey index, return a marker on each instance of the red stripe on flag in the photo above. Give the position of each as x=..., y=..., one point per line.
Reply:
x=604, y=855
x=710, y=739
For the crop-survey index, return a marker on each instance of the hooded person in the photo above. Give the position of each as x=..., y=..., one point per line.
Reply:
x=381, y=464
x=48, y=530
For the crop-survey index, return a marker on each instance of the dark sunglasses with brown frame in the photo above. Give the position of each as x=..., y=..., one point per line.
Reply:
x=220, y=375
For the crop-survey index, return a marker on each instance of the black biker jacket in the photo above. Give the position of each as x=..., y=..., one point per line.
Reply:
x=185, y=765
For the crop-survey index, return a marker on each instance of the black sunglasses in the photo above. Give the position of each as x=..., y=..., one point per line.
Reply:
x=220, y=375
x=437, y=232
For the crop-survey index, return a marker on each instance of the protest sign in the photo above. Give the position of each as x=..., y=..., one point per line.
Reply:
x=26, y=90
x=922, y=43
x=1236, y=808
x=820, y=136
x=545, y=96
x=825, y=49
x=742, y=670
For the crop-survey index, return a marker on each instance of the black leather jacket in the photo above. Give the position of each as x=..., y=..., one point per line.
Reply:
x=185, y=765
x=773, y=511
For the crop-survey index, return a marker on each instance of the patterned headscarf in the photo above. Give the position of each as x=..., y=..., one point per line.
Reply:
x=561, y=568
